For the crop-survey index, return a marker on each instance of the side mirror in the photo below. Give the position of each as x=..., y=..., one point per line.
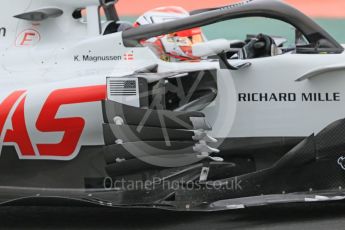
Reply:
x=225, y=64
x=211, y=48
x=299, y=38
x=220, y=47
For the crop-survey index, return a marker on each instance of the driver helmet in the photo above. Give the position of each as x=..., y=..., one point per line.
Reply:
x=176, y=46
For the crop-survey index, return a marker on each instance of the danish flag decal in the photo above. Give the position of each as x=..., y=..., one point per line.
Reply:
x=12, y=110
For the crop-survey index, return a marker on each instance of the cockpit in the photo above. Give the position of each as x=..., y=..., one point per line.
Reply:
x=309, y=37
x=180, y=36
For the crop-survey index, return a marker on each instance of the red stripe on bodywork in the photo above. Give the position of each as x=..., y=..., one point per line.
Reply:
x=73, y=126
x=7, y=105
x=19, y=133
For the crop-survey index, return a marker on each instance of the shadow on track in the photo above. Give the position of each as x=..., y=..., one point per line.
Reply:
x=297, y=216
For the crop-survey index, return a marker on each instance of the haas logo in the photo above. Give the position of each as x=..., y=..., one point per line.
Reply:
x=68, y=129
x=341, y=162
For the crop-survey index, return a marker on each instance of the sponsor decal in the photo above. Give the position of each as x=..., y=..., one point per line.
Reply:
x=28, y=38
x=103, y=58
x=341, y=162
x=289, y=97
x=69, y=129
x=128, y=56
x=94, y=58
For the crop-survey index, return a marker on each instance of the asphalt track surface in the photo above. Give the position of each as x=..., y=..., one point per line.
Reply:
x=302, y=216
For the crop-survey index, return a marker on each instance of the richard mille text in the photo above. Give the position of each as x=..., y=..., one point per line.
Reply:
x=289, y=97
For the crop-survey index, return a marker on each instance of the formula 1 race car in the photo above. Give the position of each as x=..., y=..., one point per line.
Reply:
x=90, y=113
